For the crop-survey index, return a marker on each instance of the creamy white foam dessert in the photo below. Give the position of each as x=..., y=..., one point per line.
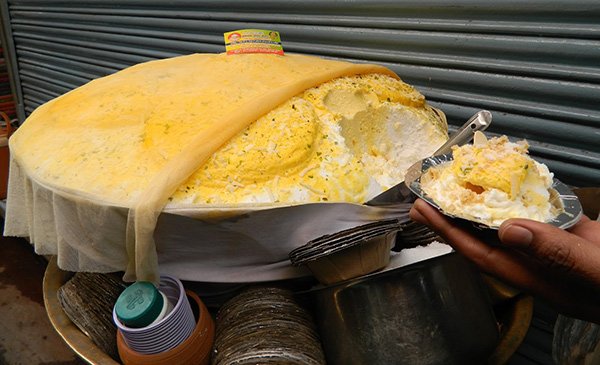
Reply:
x=346, y=140
x=215, y=133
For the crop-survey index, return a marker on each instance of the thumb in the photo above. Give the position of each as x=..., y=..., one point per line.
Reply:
x=551, y=246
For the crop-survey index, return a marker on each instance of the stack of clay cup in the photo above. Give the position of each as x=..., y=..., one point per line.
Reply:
x=159, y=326
x=350, y=253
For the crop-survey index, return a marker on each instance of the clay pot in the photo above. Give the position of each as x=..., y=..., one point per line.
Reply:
x=195, y=350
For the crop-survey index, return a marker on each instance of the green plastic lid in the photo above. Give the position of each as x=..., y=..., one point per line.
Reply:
x=139, y=304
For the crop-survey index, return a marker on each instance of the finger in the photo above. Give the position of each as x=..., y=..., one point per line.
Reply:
x=554, y=248
x=468, y=244
x=510, y=265
x=416, y=216
x=584, y=218
x=493, y=260
x=587, y=229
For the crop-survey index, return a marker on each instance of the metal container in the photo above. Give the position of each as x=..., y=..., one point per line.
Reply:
x=435, y=311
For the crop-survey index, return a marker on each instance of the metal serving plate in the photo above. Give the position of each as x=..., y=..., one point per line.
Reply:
x=561, y=195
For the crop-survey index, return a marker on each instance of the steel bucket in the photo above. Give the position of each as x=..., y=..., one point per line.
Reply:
x=435, y=311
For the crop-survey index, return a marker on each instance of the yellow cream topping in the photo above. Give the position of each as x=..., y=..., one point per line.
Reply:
x=497, y=164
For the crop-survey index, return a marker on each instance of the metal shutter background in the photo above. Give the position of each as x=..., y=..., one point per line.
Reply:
x=534, y=63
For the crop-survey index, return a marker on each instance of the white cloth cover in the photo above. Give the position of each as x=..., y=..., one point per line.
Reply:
x=250, y=245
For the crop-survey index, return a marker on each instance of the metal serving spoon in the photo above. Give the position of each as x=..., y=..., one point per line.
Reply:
x=400, y=192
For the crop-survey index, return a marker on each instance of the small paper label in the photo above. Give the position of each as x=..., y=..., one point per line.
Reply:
x=253, y=41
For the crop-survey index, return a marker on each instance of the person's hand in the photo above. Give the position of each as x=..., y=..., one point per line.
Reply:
x=563, y=267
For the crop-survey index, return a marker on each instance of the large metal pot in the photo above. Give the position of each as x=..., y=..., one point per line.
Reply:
x=435, y=311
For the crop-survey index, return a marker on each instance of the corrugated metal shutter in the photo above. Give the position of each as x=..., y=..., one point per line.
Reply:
x=534, y=63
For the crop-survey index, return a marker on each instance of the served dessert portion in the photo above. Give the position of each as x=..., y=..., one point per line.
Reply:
x=490, y=181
